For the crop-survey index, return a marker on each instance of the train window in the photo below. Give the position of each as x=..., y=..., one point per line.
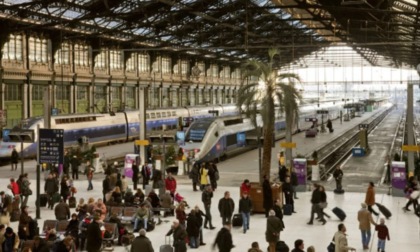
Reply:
x=173, y=113
x=152, y=115
x=157, y=114
x=147, y=116
x=163, y=114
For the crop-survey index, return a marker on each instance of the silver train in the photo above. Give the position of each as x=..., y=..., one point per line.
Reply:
x=114, y=127
x=213, y=139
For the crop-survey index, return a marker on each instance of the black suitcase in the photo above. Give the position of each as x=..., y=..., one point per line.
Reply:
x=385, y=211
x=237, y=220
x=287, y=209
x=43, y=199
x=72, y=202
x=339, y=213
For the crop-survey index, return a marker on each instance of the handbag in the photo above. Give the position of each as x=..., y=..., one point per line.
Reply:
x=415, y=195
x=323, y=205
x=331, y=247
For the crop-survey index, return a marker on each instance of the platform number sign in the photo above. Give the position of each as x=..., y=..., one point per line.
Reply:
x=51, y=146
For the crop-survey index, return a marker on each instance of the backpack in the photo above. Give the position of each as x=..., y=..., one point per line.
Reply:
x=216, y=175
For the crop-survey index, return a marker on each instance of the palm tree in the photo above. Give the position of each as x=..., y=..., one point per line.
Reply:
x=262, y=89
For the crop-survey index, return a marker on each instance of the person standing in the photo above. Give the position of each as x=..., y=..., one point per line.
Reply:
x=14, y=159
x=294, y=181
x=206, y=199
x=245, y=187
x=199, y=214
x=288, y=193
x=89, y=175
x=195, y=176
x=62, y=211
x=74, y=167
x=14, y=187
x=245, y=208
x=170, y=184
x=224, y=240
x=383, y=234
x=340, y=240
x=273, y=228
x=370, y=198
x=213, y=175
x=141, y=243
x=365, y=219
x=25, y=189
x=267, y=196
x=106, y=187
x=66, y=165
x=64, y=188
x=94, y=235
x=135, y=177
x=193, y=229
x=226, y=208
x=204, y=179
x=277, y=209
x=338, y=176
x=179, y=236
x=282, y=173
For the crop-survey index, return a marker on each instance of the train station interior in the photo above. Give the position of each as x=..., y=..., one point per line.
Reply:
x=102, y=61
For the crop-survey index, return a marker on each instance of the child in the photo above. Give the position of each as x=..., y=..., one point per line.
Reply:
x=382, y=235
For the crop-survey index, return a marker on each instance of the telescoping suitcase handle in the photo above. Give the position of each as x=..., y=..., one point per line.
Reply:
x=168, y=240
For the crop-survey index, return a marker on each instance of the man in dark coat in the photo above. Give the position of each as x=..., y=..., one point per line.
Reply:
x=66, y=165
x=245, y=208
x=94, y=236
x=179, y=236
x=315, y=200
x=224, y=240
x=75, y=167
x=106, y=187
x=40, y=245
x=14, y=159
x=193, y=229
x=282, y=173
x=141, y=243
x=226, y=208
x=338, y=176
x=62, y=211
x=135, y=168
x=206, y=199
x=288, y=193
x=50, y=187
x=195, y=176
x=267, y=196
x=272, y=232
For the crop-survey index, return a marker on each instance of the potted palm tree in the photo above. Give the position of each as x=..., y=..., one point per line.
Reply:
x=262, y=89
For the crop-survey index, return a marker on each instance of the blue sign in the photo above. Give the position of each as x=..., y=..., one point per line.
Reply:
x=55, y=111
x=5, y=134
x=241, y=139
x=180, y=137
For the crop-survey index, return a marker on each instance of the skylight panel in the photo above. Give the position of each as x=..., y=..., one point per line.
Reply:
x=70, y=14
x=81, y=2
x=15, y=2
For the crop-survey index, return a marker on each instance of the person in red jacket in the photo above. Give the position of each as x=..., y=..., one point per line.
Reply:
x=170, y=184
x=14, y=187
x=245, y=187
x=383, y=234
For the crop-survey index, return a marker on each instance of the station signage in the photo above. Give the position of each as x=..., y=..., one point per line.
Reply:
x=51, y=146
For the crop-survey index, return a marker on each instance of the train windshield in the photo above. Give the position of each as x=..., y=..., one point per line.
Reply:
x=27, y=123
x=197, y=131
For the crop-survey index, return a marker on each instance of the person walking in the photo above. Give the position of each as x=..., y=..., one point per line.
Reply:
x=338, y=176
x=323, y=204
x=226, y=208
x=224, y=240
x=315, y=200
x=50, y=188
x=14, y=159
x=365, y=219
x=370, y=198
x=340, y=240
x=179, y=235
x=206, y=197
x=245, y=208
x=94, y=235
x=89, y=175
x=135, y=177
x=273, y=228
x=383, y=234
x=195, y=176
x=200, y=215
x=25, y=189
x=141, y=243
x=411, y=190
x=267, y=196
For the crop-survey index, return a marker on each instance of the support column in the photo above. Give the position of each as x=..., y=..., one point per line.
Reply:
x=410, y=125
x=25, y=100
x=72, y=96
x=142, y=122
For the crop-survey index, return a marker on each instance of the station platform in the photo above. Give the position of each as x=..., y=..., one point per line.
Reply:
x=404, y=227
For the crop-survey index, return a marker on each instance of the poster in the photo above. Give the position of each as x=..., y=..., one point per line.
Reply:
x=300, y=166
x=241, y=139
x=398, y=178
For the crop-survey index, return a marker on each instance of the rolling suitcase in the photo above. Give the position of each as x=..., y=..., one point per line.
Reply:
x=287, y=209
x=237, y=220
x=72, y=202
x=167, y=247
x=43, y=200
x=385, y=211
x=339, y=213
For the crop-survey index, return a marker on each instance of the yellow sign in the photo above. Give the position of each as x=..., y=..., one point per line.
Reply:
x=288, y=145
x=141, y=142
x=411, y=148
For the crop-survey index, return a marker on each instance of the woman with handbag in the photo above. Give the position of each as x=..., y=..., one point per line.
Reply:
x=323, y=204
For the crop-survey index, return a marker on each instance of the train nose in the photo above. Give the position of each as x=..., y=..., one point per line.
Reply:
x=6, y=150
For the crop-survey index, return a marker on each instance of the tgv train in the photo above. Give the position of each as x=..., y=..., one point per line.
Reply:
x=212, y=139
x=113, y=127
